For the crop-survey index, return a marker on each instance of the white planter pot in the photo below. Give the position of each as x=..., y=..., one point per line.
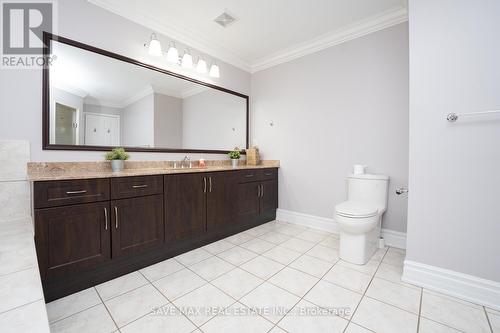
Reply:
x=234, y=163
x=117, y=165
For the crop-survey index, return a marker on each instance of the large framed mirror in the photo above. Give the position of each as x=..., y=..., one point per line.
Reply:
x=94, y=99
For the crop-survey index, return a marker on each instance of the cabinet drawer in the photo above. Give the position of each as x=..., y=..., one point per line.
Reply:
x=129, y=187
x=269, y=174
x=246, y=176
x=70, y=192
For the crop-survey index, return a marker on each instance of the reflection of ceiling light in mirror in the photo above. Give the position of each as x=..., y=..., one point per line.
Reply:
x=154, y=46
x=214, y=70
x=187, y=60
x=201, y=66
x=173, y=54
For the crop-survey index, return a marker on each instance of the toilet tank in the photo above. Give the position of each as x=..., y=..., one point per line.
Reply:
x=368, y=188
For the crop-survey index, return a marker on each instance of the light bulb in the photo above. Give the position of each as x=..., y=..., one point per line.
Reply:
x=187, y=60
x=201, y=66
x=214, y=70
x=154, y=46
x=173, y=54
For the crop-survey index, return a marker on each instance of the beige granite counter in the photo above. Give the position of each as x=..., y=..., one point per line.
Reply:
x=85, y=170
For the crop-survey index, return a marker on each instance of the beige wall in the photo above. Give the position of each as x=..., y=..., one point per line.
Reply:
x=344, y=105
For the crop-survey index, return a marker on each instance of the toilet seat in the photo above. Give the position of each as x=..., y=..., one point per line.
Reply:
x=355, y=209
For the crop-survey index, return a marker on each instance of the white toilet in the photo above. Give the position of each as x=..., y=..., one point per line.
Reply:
x=359, y=218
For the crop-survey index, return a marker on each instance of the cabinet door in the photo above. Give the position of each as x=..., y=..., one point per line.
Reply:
x=72, y=238
x=185, y=206
x=269, y=198
x=222, y=208
x=248, y=202
x=137, y=224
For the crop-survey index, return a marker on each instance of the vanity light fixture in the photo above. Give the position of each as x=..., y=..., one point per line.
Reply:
x=154, y=46
x=214, y=70
x=173, y=54
x=201, y=66
x=187, y=60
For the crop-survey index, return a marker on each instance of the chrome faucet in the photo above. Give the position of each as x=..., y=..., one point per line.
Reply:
x=186, y=159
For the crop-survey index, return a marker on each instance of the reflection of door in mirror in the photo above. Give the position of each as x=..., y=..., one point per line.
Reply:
x=66, y=129
x=102, y=129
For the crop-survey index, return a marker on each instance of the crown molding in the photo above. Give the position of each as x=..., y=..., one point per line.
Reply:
x=194, y=40
x=367, y=26
x=189, y=38
x=146, y=91
x=193, y=91
x=70, y=89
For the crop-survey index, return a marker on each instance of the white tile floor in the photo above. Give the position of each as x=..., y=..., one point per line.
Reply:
x=277, y=277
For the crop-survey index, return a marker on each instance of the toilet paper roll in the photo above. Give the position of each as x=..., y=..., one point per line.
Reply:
x=358, y=169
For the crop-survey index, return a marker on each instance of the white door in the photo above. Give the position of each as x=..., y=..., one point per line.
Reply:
x=112, y=131
x=102, y=130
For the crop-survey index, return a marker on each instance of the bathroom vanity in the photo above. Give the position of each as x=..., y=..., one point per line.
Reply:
x=91, y=229
x=92, y=225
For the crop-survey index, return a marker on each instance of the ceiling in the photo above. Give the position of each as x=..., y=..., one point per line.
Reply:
x=266, y=32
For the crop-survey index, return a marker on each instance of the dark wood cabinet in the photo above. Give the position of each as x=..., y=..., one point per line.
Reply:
x=73, y=238
x=268, y=197
x=185, y=206
x=92, y=230
x=257, y=196
x=130, y=187
x=137, y=224
x=248, y=202
x=222, y=208
x=69, y=192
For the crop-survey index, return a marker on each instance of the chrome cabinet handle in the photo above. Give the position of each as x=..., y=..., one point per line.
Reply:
x=258, y=191
x=249, y=175
x=76, y=192
x=116, y=217
x=268, y=174
x=139, y=186
x=106, y=218
x=204, y=184
x=261, y=191
x=210, y=184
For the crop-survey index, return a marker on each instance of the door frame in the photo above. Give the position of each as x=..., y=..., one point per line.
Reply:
x=78, y=125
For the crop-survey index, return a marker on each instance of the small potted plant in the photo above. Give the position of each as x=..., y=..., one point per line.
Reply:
x=234, y=155
x=117, y=156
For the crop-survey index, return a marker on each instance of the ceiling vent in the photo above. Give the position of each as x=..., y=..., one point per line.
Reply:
x=224, y=19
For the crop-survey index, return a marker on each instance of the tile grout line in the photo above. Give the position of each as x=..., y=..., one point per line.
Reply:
x=210, y=282
x=488, y=319
x=302, y=298
x=20, y=270
x=420, y=308
x=20, y=306
x=267, y=280
x=171, y=302
x=366, y=289
x=105, y=306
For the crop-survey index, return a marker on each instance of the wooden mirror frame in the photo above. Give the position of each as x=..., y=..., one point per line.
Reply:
x=46, y=145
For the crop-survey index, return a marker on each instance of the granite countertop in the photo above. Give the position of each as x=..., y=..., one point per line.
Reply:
x=86, y=170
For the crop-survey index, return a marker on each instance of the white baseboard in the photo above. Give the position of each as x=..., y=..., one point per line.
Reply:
x=463, y=286
x=392, y=238
x=315, y=222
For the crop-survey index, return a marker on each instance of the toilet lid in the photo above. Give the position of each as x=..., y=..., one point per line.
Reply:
x=356, y=209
